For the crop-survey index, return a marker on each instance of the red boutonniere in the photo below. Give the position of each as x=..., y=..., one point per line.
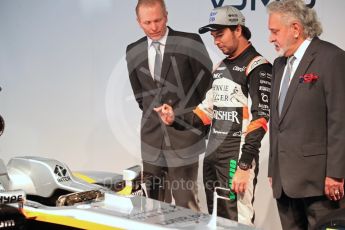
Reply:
x=308, y=78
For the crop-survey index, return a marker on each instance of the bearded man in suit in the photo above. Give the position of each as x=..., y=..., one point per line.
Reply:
x=307, y=125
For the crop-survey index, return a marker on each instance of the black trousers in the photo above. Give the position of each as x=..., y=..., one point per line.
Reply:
x=303, y=213
x=218, y=170
x=179, y=183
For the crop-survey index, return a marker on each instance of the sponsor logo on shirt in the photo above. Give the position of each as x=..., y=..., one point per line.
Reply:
x=239, y=69
x=264, y=74
x=263, y=88
x=219, y=132
x=237, y=134
x=264, y=97
x=265, y=82
x=264, y=107
x=226, y=116
x=217, y=75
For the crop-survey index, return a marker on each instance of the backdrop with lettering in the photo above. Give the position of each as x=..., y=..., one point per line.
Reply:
x=65, y=88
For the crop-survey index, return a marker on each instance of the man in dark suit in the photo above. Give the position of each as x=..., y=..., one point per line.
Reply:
x=307, y=125
x=171, y=67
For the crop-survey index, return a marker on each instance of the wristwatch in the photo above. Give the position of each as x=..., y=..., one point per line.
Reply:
x=244, y=166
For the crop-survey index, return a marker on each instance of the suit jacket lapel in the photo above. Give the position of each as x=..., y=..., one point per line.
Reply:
x=168, y=53
x=145, y=69
x=141, y=62
x=304, y=64
x=276, y=86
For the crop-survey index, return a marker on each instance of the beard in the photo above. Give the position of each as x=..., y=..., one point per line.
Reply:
x=281, y=52
x=284, y=50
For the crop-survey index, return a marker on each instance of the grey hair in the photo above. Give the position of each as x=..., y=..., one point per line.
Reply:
x=150, y=3
x=297, y=10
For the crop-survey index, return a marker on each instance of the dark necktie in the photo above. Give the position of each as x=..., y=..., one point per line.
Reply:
x=285, y=83
x=158, y=62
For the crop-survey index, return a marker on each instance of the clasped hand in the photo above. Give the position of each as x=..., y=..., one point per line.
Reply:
x=334, y=188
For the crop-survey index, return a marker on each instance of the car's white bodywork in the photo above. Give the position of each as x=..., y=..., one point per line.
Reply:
x=47, y=180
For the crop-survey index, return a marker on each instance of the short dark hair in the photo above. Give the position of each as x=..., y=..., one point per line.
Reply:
x=245, y=31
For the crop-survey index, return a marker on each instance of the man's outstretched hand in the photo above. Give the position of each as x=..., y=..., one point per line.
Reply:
x=166, y=113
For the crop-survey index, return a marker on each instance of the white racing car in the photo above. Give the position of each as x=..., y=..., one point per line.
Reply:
x=48, y=195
